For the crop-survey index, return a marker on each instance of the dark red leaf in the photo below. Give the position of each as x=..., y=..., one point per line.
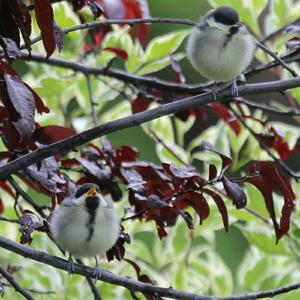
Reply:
x=7, y=188
x=138, y=9
x=267, y=179
x=29, y=223
x=1, y=207
x=139, y=105
x=227, y=116
x=119, y=52
x=23, y=102
x=8, y=25
x=11, y=49
x=39, y=105
x=78, y=4
x=197, y=201
x=126, y=154
x=235, y=193
x=212, y=172
x=47, y=175
x=44, y=17
x=226, y=161
x=52, y=134
x=221, y=206
x=118, y=250
x=23, y=19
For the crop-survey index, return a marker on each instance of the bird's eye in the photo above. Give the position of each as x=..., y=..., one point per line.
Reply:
x=84, y=188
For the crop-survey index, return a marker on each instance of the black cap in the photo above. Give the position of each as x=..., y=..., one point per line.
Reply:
x=225, y=15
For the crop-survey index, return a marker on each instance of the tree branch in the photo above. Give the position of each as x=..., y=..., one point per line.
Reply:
x=144, y=81
x=13, y=282
x=166, y=109
x=130, y=284
x=278, y=59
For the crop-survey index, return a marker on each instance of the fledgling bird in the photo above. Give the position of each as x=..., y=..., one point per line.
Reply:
x=85, y=225
x=220, y=47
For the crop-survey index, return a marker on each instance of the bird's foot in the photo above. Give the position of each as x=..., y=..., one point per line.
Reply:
x=234, y=89
x=97, y=271
x=70, y=265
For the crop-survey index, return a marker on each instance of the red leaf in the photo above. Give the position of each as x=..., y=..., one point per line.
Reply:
x=212, y=172
x=267, y=179
x=139, y=105
x=23, y=19
x=52, y=134
x=39, y=105
x=138, y=9
x=235, y=193
x=227, y=116
x=44, y=17
x=29, y=223
x=119, y=52
x=125, y=154
x=221, y=206
x=1, y=207
x=23, y=102
x=7, y=188
x=197, y=201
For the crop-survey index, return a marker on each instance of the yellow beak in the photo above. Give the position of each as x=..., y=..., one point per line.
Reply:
x=92, y=192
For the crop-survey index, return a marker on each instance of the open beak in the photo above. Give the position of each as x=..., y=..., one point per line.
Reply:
x=92, y=192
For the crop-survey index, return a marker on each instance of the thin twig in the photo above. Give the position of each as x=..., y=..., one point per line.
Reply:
x=26, y=197
x=169, y=149
x=9, y=220
x=14, y=283
x=277, y=160
x=280, y=61
x=270, y=109
x=278, y=31
x=91, y=98
x=92, y=285
x=69, y=144
x=33, y=291
x=131, y=284
x=130, y=22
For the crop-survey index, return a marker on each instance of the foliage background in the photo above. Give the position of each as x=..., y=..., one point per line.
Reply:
x=205, y=260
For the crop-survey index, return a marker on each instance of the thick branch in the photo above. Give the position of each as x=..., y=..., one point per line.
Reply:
x=129, y=283
x=166, y=109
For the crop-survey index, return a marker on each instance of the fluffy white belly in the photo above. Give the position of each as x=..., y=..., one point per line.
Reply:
x=216, y=59
x=73, y=236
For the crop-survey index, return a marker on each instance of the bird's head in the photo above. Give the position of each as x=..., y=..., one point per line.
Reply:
x=89, y=195
x=223, y=18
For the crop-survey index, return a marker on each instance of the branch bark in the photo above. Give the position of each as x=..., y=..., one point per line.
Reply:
x=69, y=144
x=131, y=284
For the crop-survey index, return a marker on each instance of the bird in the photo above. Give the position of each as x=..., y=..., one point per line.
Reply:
x=85, y=225
x=220, y=47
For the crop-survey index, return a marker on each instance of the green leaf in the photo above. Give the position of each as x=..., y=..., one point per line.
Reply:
x=159, y=64
x=164, y=45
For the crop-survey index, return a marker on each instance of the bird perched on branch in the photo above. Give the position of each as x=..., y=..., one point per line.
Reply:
x=220, y=47
x=85, y=225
